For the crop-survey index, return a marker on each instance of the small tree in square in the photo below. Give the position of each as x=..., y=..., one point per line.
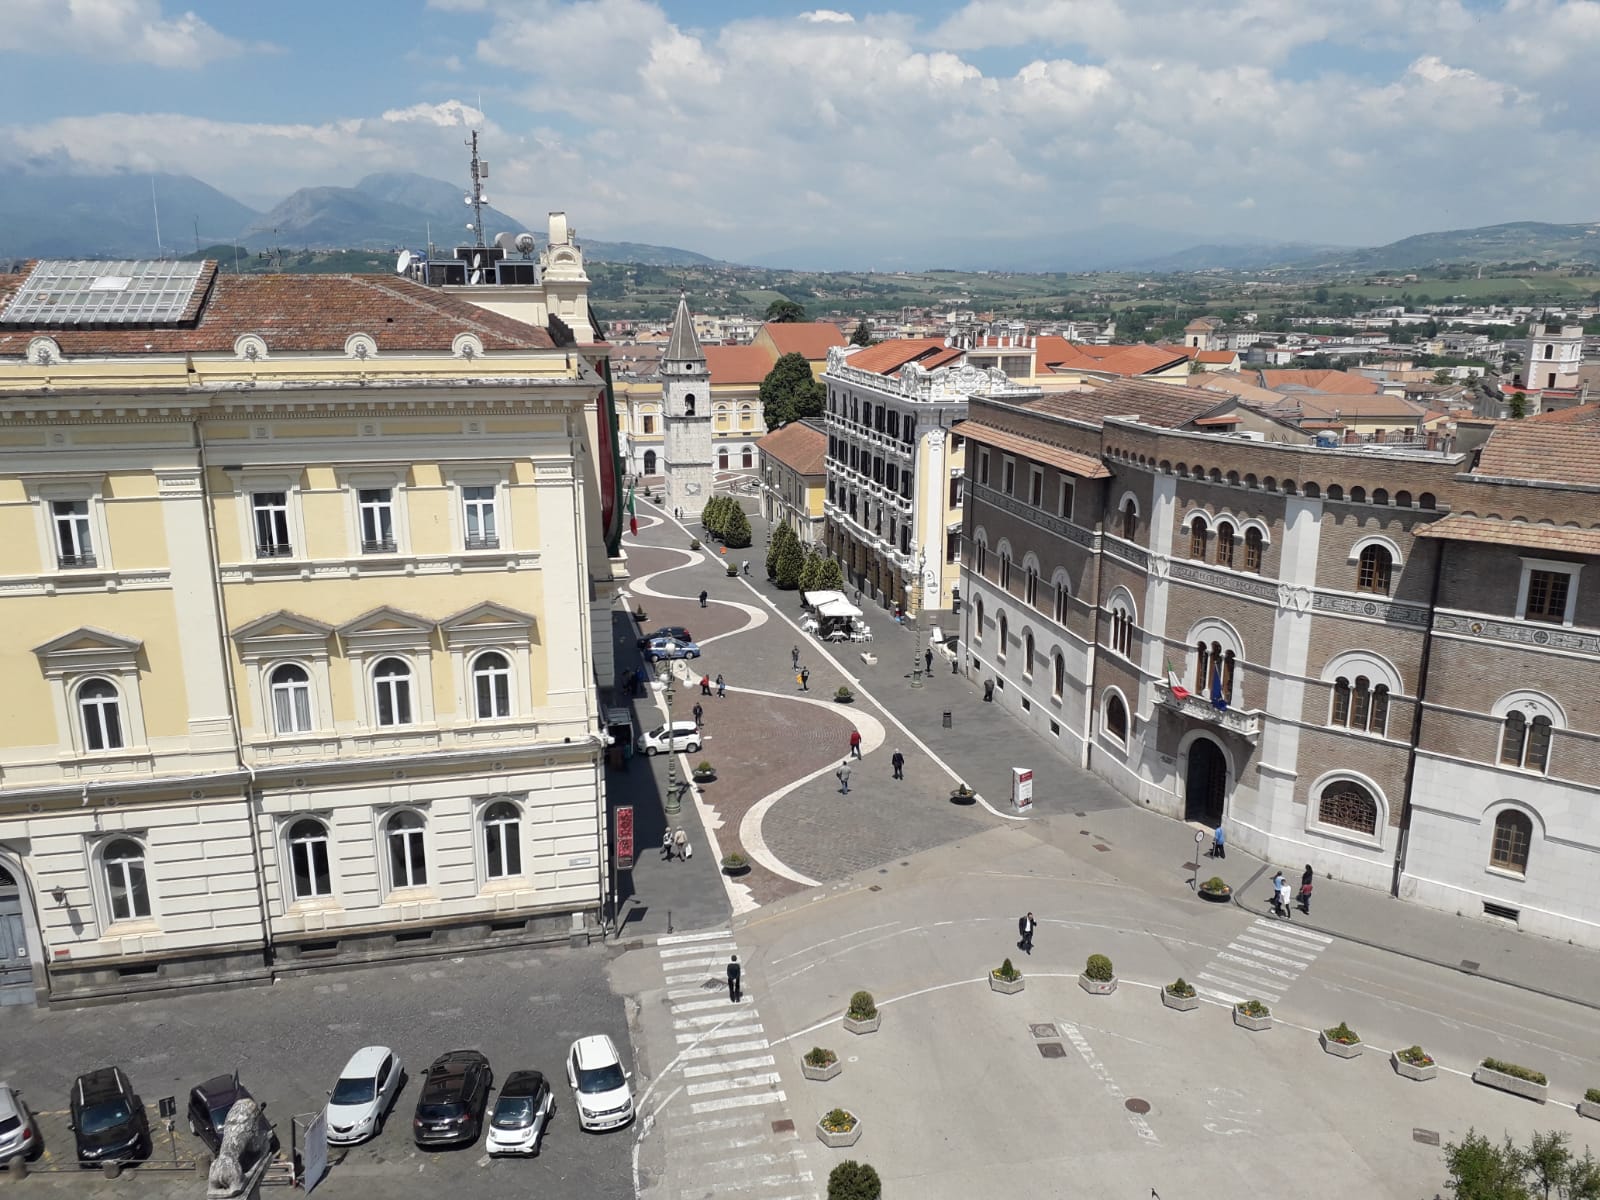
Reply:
x=851, y=1180
x=791, y=561
x=736, y=531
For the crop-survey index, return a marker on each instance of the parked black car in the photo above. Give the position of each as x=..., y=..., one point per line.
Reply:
x=108, y=1119
x=676, y=632
x=209, y=1104
x=454, y=1095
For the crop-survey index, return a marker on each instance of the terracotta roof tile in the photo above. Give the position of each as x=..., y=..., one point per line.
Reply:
x=800, y=447
x=1339, y=382
x=1082, y=465
x=809, y=339
x=1146, y=400
x=1543, y=449
x=1461, y=527
x=738, y=364
x=1217, y=356
x=888, y=357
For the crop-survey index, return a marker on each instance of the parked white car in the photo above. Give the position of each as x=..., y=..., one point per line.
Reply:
x=19, y=1132
x=521, y=1114
x=599, y=1083
x=362, y=1098
x=682, y=736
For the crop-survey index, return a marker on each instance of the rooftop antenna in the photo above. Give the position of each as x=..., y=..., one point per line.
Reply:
x=156, y=208
x=480, y=172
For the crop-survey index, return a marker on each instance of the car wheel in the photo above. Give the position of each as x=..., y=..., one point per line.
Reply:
x=694, y=747
x=651, y=751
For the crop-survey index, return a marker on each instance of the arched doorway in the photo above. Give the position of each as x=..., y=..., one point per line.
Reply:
x=16, y=966
x=649, y=462
x=1206, y=786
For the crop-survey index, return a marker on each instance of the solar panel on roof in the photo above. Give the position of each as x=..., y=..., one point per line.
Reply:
x=79, y=292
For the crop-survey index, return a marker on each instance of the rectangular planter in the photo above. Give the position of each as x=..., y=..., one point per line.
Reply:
x=1588, y=1108
x=1181, y=1003
x=870, y=1025
x=1537, y=1092
x=821, y=1074
x=1257, y=1024
x=1339, y=1049
x=839, y=1141
x=1095, y=988
x=1411, y=1071
x=1007, y=987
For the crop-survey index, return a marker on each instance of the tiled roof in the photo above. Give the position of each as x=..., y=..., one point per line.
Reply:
x=1145, y=400
x=1460, y=527
x=1082, y=465
x=1579, y=414
x=1217, y=356
x=1545, y=449
x=738, y=364
x=1321, y=405
x=798, y=446
x=888, y=357
x=1058, y=353
x=294, y=314
x=809, y=339
x=1342, y=383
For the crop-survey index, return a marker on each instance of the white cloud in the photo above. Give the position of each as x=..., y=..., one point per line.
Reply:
x=823, y=16
x=113, y=30
x=451, y=113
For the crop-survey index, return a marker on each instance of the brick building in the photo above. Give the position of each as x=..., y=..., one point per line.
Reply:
x=1375, y=660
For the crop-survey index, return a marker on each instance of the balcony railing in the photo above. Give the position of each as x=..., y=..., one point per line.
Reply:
x=381, y=546
x=69, y=562
x=489, y=542
x=1245, y=724
x=273, y=550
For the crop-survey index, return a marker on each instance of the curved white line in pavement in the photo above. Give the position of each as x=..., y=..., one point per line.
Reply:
x=872, y=737
x=641, y=586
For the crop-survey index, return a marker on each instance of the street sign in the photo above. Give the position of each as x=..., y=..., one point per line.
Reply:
x=625, y=836
x=169, y=1107
x=1022, y=788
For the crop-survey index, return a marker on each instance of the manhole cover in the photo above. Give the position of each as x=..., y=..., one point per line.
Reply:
x=1052, y=1050
x=1191, y=866
x=1427, y=1137
x=1043, y=1031
x=1101, y=846
x=784, y=1126
x=1135, y=1105
x=875, y=888
x=1468, y=965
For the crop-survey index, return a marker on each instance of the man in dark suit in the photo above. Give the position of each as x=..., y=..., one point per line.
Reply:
x=735, y=991
x=1025, y=927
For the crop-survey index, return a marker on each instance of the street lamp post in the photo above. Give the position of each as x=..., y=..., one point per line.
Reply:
x=916, y=617
x=674, y=803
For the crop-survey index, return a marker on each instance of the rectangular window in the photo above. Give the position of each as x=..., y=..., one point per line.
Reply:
x=73, y=546
x=271, y=511
x=1036, y=487
x=983, y=466
x=649, y=424
x=377, y=520
x=955, y=492
x=1010, y=487
x=1547, y=596
x=1064, y=500
x=952, y=546
x=482, y=529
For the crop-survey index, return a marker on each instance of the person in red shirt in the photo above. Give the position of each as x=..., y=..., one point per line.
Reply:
x=855, y=742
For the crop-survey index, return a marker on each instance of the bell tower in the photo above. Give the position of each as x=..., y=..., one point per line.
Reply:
x=686, y=418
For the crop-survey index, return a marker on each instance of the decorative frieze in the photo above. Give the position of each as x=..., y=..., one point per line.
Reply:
x=1376, y=610
x=1047, y=521
x=1242, y=585
x=1544, y=637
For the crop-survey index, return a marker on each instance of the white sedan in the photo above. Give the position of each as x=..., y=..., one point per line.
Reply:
x=365, y=1092
x=683, y=736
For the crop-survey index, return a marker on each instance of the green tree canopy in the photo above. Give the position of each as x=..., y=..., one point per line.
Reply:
x=862, y=335
x=808, y=573
x=790, y=392
x=736, y=533
x=785, y=312
x=781, y=536
x=791, y=561
x=830, y=575
x=852, y=1180
x=1481, y=1170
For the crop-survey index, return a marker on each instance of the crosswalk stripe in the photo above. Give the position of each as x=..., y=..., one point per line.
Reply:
x=683, y=952
x=732, y=1031
x=677, y=939
x=1272, y=951
x=706, y=968
x=1285, y=929
x=1256, y=964
x=1205, y=989
x=723, y=1103
x=1288, y=945
x=688, y=993
x=687, y=1006
x=738, y=1084
x=700, y=977
x=1249, y=987
x=740, y=1064
x=753, y=1161
x=713, y=1051
x=698, y=1129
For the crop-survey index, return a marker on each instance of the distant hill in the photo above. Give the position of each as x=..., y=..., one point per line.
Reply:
x=57, y=215
x=1234, y=257
x=1517, y=241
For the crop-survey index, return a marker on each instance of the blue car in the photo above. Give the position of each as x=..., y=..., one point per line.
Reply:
x=660, y=648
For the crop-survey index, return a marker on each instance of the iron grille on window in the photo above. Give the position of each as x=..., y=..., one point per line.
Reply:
x=489, y=542
x=1349, y=806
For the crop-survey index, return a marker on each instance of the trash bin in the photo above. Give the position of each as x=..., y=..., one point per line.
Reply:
x=947, y=718
x=988, y=691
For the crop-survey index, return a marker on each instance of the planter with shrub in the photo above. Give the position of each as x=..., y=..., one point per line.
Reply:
x=735, y=864
x=733, y=570
x=838, y=1129
x=704, y=772
x=1413, y=1062
x=694, y=543
x=963, y=794
x=1215, y=890
x=821, y=1065
x=1253, y=1015
x=1180, y=994
x=1509, y=1077
x=1006, y=979
x=862, y=1016
x=851, y=1180
x=844, y=695
x=1098, y=978
x=1341, y=1041
x=1589, y=1106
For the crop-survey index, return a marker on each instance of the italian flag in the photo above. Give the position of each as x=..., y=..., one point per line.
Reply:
x=1179, y=692
x=633, y=517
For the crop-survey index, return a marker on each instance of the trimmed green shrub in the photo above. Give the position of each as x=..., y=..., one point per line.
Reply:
x=861, y=1007
x=1513, y=1070
x=1180, y=988
x=836, y=1120
x=1006, y=972
x=818, y=1057
x=851, y=1180
x=1253, y=1008
x=736, y=532
x=1098, y=969
x=1214, y=884
x=1592, y=1095
x=1342, y=1034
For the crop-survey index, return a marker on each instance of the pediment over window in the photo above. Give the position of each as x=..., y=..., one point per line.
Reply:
x=485, y=623
x=387, y=628
x=89, y=648
x=282, y=632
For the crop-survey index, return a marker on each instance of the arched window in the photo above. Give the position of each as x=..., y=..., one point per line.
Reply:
x=1005, y=571
x=1027, y=654
x=649, y=462
x=1058, y=684
x=1213, y=664
x=977, y=622
x=1197, y=539
x=1372, y=570
x=291, y=699
x=308, y=860
x=1549, y=350
x=747, y=458
x=408, y=860
x=1360, y=705
x=1062, y=590
x=502, y=840
x=1513, y=834
x=1122, y=632
x=1002, y=627
x=722, y=458
x=491, y=685
x=1130, y=521
x=127, y=887
x=101, y=714
x=391, y=684
x=688, y=405
x=1030, y=588
x=1347, y=805
x=1252, y=550
x=1117, y=718
x=1525, y=744
x=1225, y=545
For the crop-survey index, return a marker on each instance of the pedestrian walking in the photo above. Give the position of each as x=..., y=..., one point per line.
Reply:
x=1025, y=927
x=638, y=682
x=735, y=988
x=722, y=687
x=1305, y=890
x=927, y=661
x=1280, y=896
x=703, y=594
x=705, y=685
x=855, y=743
x=746, y=566
x=843, y=776
x=794, y=657
x=699, y=716
x=680, y=843
x=666, y=845
x=805, y=679
x=1219, y=842
x=899, y=764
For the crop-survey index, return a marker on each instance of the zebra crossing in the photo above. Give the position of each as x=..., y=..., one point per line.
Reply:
x=1261, y=962
x=726, y=1096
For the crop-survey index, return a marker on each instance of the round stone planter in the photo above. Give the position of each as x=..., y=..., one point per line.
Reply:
x=1096, y=988
x=1339, y=1049
x=1181, y=1003
x=734, y=870
x=1254, y=1024
x=1411, y=1070
x=1009, y=987
x=1590, y=1109
x=839, y=1141
x=844, y=699
x=1537, y=1092
x=1217, y=897
x=822, y=1074
x=960, y=797
x=870, y=1025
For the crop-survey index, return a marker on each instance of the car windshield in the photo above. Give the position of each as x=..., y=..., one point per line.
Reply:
x=10, y=1124
x=600, y=1079
x=659, y=732
x=353, y=1091
x=513, y=1112
x=439, y=1112
x=219, y=1116
x=98, y=1118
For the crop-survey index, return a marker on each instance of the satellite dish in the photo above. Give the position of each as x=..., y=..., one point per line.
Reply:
x=466, y=199
x=505, y=240
x=524, y=243
x=403, y=263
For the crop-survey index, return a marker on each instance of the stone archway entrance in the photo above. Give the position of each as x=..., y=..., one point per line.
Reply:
x=16, y=966
x=1206, y=785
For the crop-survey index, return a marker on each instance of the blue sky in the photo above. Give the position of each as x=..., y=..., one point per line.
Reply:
x=880, y=133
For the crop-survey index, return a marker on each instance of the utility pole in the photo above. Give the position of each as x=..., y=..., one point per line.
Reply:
x=480, y=172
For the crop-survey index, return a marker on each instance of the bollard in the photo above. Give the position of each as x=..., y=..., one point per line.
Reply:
x=18, y=1166
x=111, y=1169
x=947, y=718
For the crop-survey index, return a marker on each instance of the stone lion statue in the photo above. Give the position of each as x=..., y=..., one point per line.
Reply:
x=244, y=1142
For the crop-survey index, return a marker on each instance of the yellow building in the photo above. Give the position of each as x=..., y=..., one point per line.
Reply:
x=794, y=478
x=736, y=423
x=302, y=583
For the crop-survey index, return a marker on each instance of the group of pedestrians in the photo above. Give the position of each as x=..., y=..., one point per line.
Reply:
x=1282, y=905
x=706, y=685
x=675, y=844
